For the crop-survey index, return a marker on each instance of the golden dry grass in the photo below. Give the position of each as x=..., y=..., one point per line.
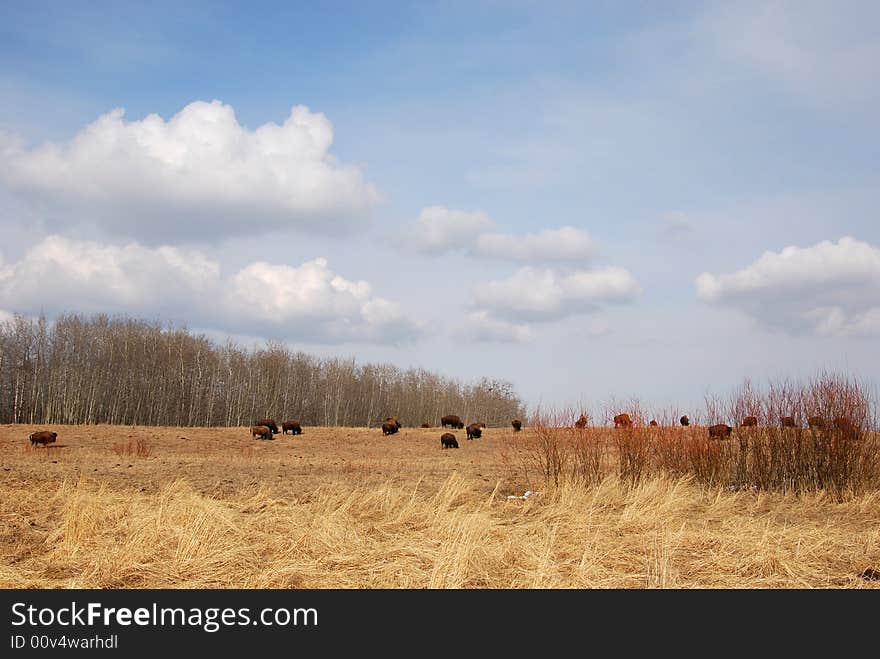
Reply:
x=347, y=508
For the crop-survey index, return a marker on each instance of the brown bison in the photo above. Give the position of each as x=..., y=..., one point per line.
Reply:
x=426, y=425
x=816, y=422
x=474, y=431
x=393, y=419
x=448, y=440
x=750, y=421
x=389, y=428
x=263, y=432
x=270, y=424
x=788, y=422
x=720, y=431
x=581, y=423
x=452, y=421
x=653, y=423
x=43, y=437
x=517, y=425
x=622, y=421
x=843, y=423
x=684, y=421
x=293, y=426
x=846, y=426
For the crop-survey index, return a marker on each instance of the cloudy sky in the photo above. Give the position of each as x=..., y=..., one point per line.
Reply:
x=593, y=200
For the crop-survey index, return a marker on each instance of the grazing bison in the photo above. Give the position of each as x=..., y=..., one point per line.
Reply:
x=270, y=424
x=293, y=426
x=452, y=421
x=426, y=425
x=816, y=422
x=720, y=431
x=517, y=425
x=448, y=440
x=653, y=423
x=474, y=431
x=684, y=421
x=263, y=432
x=846, y=426
x=750, y=421
x=788, y=422
x=43, y=437
x=581, y=423
x=622, y=421
x=843, y=423
x=389, y=428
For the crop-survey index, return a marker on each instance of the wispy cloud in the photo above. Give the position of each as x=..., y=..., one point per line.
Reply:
x=546, y=294
x=439, y=230
x=482, y=327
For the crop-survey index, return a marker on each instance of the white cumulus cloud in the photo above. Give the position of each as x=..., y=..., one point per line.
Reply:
x=199, y=174
x=546, y=294
x=439, y=230
x=307, y=303
x=830, y=289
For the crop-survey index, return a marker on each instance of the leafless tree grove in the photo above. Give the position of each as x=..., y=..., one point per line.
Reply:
x=121, y=370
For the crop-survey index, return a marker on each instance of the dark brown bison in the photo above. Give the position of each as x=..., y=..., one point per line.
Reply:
x=474, y=431
x=293, y=426
x=452, y=421
x=788, y=422
x=653, y=423
x=270, y=424
x=622, y=421
x=581, y=423
x=684, y=421
x=816, y=422
x=750, y=421
x=426, y=425
x=393, y=419
x=389, y=428
x=843, y=423
x=720, y=430
x=263, y=432
x=448, y=440
x=517, y=425
x=845, y=426
x=43, y=437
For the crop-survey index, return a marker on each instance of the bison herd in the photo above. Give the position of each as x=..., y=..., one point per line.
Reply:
x=391, y=425
x=723, y=431
x=267, y=428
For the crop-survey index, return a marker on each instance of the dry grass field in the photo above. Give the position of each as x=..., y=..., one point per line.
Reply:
x=350, y=508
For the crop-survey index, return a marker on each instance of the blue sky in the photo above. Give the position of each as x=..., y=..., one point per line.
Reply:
x=444, y=147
